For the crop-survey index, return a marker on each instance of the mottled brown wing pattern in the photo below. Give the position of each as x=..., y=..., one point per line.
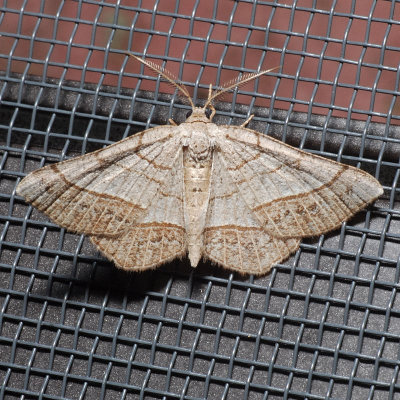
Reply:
x=144, y=246
x=158, y=236
x=293, y=193
x=233, y=236
x=105, y=191
x=246, y=250
x=124, y=196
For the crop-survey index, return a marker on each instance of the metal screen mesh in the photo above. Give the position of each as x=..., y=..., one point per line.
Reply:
x=323, y=324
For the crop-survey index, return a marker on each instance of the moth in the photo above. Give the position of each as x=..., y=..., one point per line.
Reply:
x=224, y=193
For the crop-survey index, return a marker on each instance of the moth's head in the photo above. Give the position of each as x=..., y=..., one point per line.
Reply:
x=199, y=114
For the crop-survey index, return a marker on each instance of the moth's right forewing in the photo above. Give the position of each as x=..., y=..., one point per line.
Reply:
x=233, y=236
x=291, y=192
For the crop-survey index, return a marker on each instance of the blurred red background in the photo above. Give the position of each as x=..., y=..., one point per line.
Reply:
x=324, y=49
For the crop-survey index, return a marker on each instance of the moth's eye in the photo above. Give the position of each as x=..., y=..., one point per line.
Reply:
x=208, y=113
x=189, y=113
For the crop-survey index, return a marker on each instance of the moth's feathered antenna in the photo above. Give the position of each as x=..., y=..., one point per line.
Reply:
x=167, y=75
x=227, y=86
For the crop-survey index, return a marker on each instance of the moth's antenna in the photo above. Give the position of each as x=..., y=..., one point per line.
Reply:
x=227, y=86
x=167, y=75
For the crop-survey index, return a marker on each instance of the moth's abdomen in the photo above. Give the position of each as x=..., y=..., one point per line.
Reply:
x=197, y=180
x=197, y=175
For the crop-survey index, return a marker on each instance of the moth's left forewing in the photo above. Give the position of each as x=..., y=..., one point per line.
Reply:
x=293, y=193
x=105, y=191
x=159, y=235
x=127, y=197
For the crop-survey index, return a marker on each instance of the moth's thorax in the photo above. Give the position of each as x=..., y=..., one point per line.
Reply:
x=199, y=146
x=198, y=137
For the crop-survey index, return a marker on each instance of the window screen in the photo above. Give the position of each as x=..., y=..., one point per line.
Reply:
x=324, y=323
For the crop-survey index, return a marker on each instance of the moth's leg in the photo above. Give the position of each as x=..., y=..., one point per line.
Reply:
x=213, y=111
x=172, y=122
x=209, y=91
x=247, y=121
